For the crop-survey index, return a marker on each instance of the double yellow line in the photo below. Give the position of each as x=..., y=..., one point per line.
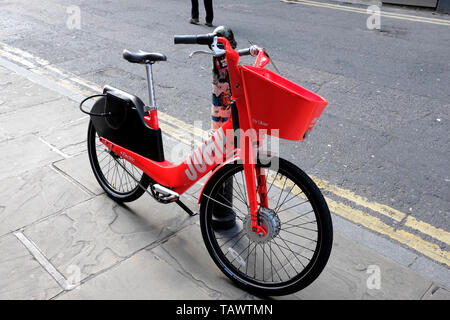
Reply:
x=358, y=212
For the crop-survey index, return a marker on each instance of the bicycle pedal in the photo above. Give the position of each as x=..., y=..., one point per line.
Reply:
x=165, y=194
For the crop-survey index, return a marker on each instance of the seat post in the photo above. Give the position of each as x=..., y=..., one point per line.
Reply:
x=151, y=88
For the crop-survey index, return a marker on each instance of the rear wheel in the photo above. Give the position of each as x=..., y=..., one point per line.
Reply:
x=299, y=235
x=109, y=170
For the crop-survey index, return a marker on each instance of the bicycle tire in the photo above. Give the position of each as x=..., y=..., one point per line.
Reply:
x=251, y=284
x=112, y=189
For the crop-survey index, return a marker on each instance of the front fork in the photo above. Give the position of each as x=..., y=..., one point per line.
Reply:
x=253, y=190
x=251, y=172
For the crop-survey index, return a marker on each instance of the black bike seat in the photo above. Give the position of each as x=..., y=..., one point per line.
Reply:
x=143, y=57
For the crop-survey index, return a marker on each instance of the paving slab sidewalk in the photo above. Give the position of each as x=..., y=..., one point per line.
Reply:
x=58, y=228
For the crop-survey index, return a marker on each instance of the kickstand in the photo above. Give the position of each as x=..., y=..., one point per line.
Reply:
x=185, y=208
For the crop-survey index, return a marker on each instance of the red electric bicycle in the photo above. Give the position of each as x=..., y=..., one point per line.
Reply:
x=264, y=222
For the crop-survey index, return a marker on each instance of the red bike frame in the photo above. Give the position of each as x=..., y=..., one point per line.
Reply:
x=218, y=151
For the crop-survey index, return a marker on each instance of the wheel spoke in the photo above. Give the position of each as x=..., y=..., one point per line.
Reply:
x=302, y=215
x=299, y=225
x=235, y=242
x=292, y=252
x=299, y=204
x=281, y=192
x=296, y=253
x=299, y=245
x=284, y=200
x=295, y=270
x=243, y=197
x=222, y=204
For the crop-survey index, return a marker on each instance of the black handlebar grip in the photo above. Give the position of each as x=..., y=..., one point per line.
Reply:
x=206, y=39
x=185, y=39
x=244, y=52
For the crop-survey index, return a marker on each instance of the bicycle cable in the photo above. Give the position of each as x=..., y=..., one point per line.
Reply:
x=271, y=61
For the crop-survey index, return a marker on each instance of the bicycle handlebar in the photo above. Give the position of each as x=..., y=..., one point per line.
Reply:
x=251, y=51
x=208, y=39
x=204, y=39
x=244, y=52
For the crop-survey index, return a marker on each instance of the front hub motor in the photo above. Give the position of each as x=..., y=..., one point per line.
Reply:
x=269, y=221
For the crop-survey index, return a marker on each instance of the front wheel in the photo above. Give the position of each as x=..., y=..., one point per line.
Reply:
x=299, y=235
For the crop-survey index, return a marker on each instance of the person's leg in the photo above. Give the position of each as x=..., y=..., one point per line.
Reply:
x=194, y=11
x=209, y=11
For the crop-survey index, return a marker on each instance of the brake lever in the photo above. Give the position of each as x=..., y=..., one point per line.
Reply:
x=200, y=52
x=216, y=51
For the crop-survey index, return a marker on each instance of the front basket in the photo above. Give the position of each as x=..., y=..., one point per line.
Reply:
x=277, y=103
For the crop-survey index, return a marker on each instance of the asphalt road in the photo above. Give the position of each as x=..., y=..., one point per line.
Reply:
x=385, y=133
